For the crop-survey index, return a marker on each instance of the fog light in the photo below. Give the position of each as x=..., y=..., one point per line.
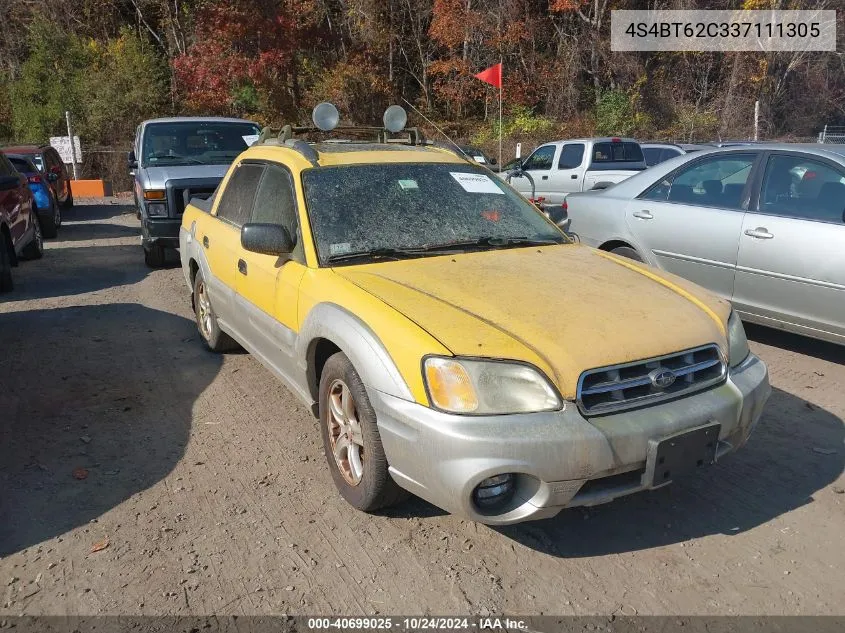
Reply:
x=494, y=490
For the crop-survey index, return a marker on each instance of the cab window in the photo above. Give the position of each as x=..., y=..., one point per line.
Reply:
x=796, y=187
x=238, y=196
x=542, y=158
x=571, y=156
x=713, y=182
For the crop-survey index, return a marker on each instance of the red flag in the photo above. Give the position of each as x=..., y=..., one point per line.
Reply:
x=492, y=75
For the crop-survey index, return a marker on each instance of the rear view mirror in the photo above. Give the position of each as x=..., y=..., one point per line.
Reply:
x=267, y=239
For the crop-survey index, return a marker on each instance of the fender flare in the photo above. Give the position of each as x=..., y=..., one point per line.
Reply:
x=357, y=340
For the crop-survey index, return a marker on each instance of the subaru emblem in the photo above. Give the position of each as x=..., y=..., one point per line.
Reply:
x=662, y=378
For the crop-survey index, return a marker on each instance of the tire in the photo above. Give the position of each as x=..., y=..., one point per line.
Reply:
x=50, y=226
x=154, y=256
x=214, y=338
x=68, y=203
x=35, y=248
x=627, y=251
x=347, y=419
x=6, y=282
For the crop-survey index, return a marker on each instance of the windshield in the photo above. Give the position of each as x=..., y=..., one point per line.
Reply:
x=363, y=208
x=196, y=142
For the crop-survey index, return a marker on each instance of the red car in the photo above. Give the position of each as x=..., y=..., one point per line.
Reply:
x=20, y=231
x=48, y=161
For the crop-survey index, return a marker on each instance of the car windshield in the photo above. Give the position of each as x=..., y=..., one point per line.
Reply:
x=421, y=209
x=196, y=142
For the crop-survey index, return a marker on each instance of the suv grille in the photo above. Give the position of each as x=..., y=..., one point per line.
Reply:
x=629, y=385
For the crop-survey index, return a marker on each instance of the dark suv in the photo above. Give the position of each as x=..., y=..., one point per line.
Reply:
x=47, y=159
x=20, y=231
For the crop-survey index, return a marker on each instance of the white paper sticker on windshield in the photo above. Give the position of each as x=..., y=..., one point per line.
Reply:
x=480, y=159
x=249, y=139
x=408, y=184
x=476, y=183
x=340, y=248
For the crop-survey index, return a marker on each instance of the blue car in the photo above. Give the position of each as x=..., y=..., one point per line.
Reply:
x=49, y=213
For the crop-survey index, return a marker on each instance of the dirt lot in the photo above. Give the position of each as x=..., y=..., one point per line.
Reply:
x=207, y=485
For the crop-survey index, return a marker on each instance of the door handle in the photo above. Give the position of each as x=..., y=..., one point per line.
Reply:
x=574, y=176
x=545, y=178
x=643, y=215
x=761, y=233
x=205, y=240
x=242, y=267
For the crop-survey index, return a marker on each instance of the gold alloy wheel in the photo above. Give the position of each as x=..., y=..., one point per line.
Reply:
x=345, y=438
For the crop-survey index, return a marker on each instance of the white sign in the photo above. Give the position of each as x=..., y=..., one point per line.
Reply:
x=62, y=145
x=476, y=183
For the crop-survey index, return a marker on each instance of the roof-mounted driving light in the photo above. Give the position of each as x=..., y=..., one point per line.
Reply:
x=395, y=119
x=325, y=116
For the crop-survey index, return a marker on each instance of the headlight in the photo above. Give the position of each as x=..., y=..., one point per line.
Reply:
x=156, y=209
x=737, y=343
x=487, y=387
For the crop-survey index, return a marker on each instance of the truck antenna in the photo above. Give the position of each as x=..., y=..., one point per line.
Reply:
x=434, y=125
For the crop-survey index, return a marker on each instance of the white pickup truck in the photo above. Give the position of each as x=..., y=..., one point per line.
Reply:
x=555, y=170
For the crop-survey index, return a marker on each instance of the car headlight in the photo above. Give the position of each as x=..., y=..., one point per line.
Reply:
x=480, y=387
x=737, y=342
x=156, y=209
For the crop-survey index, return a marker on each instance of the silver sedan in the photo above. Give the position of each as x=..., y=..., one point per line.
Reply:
x=761, y=225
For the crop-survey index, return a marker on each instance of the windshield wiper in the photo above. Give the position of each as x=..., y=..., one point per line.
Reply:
x=494, y=242
x=195, y=161
x=375, y=253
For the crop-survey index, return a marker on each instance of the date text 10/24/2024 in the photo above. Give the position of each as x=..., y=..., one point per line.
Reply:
x=417, y=623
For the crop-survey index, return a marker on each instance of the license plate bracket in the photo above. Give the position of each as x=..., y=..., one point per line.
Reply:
x=675, y=455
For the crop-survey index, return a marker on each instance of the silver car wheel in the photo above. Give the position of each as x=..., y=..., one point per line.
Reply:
x=345, y=437
x=204, y=307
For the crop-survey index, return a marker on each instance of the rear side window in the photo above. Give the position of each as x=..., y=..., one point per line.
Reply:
x=571, y=156
x=796, y=187
x=652, y=155
x=617, y=153
x=20, y=165
x=238, y=197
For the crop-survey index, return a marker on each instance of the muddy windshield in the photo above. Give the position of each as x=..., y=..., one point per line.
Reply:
x=399, y=210
x=196, y=142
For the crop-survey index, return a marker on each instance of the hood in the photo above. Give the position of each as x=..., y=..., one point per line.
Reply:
x=156, y=177
x=565, y=308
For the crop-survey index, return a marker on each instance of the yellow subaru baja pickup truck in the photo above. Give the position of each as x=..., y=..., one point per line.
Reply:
x=452, y=341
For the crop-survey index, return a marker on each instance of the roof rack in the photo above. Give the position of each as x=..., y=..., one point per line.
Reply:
x=326, y=118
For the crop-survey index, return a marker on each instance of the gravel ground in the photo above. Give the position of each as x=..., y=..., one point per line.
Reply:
x=140, y=474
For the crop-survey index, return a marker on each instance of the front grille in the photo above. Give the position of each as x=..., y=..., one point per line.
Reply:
x=180, y=192
x=629, y=385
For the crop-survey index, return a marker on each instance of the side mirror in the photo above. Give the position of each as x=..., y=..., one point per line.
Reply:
x=132, y=161
x=52, y=177
x=9, y=182
x=493, y=161
x=267, y=239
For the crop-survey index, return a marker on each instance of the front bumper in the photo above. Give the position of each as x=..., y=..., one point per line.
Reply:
x=160, y=231
x=561, y=458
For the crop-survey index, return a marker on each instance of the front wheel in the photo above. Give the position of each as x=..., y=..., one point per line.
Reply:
x=50, y=226
x=68, y=203
x=351, y=439
x=154, y=256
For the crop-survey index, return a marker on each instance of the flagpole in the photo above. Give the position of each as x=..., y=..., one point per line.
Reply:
x=501, y=89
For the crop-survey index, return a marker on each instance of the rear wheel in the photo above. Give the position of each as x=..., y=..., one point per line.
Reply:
x=351, y=439
x=35, y=249
x=214, y=338
x=627, y=251
x=6, y=283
